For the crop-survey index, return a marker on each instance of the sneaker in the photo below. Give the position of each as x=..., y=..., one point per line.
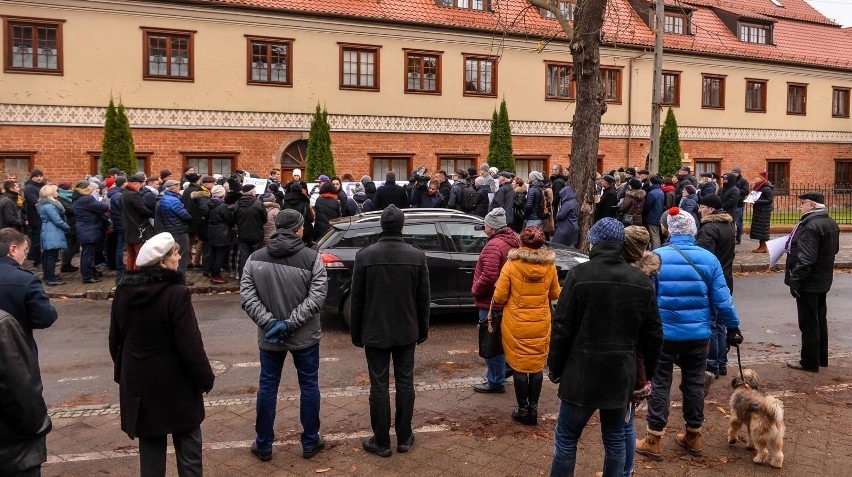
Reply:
x=218, y=281
x=370, y=446
x=405, y=446
x=723, y=371
x=263, y=456
x=102, y=265
x=69, y=268
x=53, y=283
x=92, y=280
x=487, y=388
x=308, y=453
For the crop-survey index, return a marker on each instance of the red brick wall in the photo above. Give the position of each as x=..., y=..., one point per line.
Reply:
x=62, y=151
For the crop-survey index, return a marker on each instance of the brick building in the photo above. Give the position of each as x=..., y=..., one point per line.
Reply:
x=230, y=84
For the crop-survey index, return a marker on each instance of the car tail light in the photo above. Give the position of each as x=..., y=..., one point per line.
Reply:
x=332, y=261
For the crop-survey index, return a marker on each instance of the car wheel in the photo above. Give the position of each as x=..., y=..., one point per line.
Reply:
x=347, y=311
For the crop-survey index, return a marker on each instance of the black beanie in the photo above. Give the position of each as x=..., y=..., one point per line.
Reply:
x=392, y=219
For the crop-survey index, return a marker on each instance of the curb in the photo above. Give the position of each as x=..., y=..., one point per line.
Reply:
x=764, y=267
x=108, y=294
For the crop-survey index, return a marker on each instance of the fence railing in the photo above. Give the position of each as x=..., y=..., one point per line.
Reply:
x=838, y=201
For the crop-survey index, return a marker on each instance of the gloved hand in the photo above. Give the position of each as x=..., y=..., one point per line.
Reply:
x=553, y=377
x=734, y=337
x=641, y=393
x=278, y=331
x=794, y=293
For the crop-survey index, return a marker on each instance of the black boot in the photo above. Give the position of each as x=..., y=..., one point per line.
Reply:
x=535, y=382
x=522, y=385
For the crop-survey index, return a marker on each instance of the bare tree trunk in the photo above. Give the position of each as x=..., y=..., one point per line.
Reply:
x=586, y=126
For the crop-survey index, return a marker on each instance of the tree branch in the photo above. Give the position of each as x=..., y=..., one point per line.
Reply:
x=553, y=8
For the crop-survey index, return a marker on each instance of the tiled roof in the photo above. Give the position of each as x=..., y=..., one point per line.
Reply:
x=801, y=34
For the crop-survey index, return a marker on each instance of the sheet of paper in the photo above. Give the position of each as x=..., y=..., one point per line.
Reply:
x=752, y=197
x=776, y=249
x=259, y=185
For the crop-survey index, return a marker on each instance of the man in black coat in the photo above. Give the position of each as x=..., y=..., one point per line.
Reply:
x=505, y=196
x=10, y=213
x=684, y=178
x=444, y=188
x=250, y=216
x=730, y=195
x=191, y=206
x=389, y=317
x=809, y=272
x=598, y=328
x=716, y=235
x=743, y=186
x=606, y=206
x=31, y=190
x=135, y=216
x=391, y=193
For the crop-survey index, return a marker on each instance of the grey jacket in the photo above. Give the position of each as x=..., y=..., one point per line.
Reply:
x=285, y=281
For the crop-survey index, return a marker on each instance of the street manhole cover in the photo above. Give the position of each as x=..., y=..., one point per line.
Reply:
x=219, y=367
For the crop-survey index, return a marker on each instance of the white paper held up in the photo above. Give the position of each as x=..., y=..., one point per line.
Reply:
x=776, y=249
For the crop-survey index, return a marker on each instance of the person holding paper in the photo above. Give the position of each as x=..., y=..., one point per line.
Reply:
x=762, y=212
x=809, y=272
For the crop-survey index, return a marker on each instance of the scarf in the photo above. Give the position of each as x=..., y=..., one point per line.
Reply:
x=758, y=185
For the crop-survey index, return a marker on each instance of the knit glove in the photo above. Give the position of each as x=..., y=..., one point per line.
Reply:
x=278, y=331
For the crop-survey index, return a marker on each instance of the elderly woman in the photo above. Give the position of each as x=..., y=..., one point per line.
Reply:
x=160, y=364
x=526, y=286
x=53, y=229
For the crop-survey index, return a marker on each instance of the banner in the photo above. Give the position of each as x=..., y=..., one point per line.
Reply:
x=259, y=185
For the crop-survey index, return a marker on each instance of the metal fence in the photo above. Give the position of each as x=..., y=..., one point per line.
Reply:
x=838, y=201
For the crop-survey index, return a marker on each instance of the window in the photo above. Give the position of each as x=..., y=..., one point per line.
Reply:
x=778, y=173
x=671, y=88
x=713, y=92
x=612, y=84
x=450, y=164
x=467, y=238
x=168, y=55
x=565, y=6
x=797, y=96
x=33, y=45
x=359, y=67
x=840, y=102
x=558, y=84
x=480, y=76
x=141, y=162
x=422, y=71
x=423, y=236
x=207, y=164
x=755, y=33
x=270, y=61
x=675, y=23
x=755, y=95
x=382, y=164
x=480, y=5
x=707, y=165
x=18, y=164
x=842, y=174
x=525, y=165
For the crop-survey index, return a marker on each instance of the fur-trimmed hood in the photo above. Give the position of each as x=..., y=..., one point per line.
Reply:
x=638, y=194
x=149, y=275
x=720, y=217
x=203, y=192
x=531, y=255
x=649, y=263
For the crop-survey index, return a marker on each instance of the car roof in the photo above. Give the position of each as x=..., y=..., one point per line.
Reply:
x=369, y=219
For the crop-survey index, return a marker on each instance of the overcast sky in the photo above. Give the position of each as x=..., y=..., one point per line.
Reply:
x=838, y=10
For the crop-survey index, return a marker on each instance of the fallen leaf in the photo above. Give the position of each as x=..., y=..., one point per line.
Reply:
x=323, y=470
x=723, y=460
x=722, y=410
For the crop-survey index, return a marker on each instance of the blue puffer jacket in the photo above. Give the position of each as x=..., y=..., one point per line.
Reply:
x=172, y=217
x=53, y=225
x=685, y=308
x=114, y=196
x=90, y=217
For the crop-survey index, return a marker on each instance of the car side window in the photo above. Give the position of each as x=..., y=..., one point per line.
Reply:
x=359, y=238
x=423, y=236
x=467, y=238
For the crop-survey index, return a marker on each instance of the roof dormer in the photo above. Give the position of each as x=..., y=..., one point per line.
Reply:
x=748, y=27
x=565, y=6
x=677, y=18
x=475, y=5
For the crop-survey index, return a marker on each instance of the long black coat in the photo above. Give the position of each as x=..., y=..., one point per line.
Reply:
x=390, y=295
x=250, y=215
x=155, y=344
x=606, y=206
x=191, y=205
x=729, y=195
x=606, y=312
x=717, y=235
x=810, y=263
x=219, y=224
x=134, y=214
x=301, y=204
x=325, y=208
x=762, y=213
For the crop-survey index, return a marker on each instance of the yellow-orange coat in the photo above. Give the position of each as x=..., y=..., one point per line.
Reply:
x=527, y=284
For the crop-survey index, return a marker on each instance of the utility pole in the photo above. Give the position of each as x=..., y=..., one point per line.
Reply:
x=654, y=155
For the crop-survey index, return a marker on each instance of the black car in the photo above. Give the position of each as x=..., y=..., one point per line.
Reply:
x=451, y=239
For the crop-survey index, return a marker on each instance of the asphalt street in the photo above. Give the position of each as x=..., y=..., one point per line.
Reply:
x=77, y=370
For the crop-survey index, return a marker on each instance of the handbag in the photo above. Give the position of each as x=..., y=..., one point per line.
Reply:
x=627, y=219
x=490, y=337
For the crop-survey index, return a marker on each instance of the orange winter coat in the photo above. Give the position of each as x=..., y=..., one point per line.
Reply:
x=527, y=284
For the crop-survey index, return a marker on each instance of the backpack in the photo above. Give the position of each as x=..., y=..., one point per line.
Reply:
x=669, y=200
x=468, y=198
x=518, y=205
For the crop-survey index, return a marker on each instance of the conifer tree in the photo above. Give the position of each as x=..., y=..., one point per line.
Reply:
x=320, y=160
x=117, y=146
x=500, y=143
x=670, y=160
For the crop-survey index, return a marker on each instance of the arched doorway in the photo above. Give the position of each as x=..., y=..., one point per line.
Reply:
x=294, y=157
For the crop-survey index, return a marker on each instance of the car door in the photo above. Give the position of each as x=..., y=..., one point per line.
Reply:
x=442, y=280
x=467, y=240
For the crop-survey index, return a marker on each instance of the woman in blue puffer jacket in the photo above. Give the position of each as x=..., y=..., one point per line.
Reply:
x=53, y=229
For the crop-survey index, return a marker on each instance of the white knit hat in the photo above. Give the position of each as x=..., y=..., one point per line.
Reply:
x=297, y=172
x=681, y=222
x=155, y=249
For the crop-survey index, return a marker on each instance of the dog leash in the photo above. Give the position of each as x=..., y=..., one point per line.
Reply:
x=740, y=363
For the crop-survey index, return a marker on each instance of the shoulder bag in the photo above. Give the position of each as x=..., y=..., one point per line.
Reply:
x=490, y=337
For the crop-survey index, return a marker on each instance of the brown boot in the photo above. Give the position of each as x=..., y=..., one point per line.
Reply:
x=691, y=441
x=650, y=446
x=761, y=248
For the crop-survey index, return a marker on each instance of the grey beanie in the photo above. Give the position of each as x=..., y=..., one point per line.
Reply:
x=289, y=220
x=536, y=176
x=496, y=219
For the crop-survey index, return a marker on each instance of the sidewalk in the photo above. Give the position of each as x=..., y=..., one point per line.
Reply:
x=745, y=261
x=459, y=432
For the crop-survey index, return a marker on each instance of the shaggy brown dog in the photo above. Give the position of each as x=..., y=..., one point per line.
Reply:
x=763, y=417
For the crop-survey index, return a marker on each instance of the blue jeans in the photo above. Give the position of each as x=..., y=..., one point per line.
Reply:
x=496, y=374
x=307, y=368
x=50, y=257
x=739, y=220
x=629, y=440
x=569, y=426
x=120, y=248
x=533, y=223
x=87, y=259
x=717, y=359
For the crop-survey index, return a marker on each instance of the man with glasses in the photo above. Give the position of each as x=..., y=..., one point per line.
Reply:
x=811, y=248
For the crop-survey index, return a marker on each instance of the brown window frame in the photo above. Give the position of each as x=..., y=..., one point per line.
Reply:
x=495, y=60
x=673, y=15
x=147, y=32
x=469, y=160
x=95, y=155
x=572, y=86
x=722, y=81
x=676, y=102
x=232, y=155
x=700, y=165
x=9, y=23
x=486, y=5
x=619, y=70
x=781, y=187
x=568, y=14
x=400, y=175
x=846, y=104
x=527, y=158
x=28, y=155
x=765, y=84
x=360, y=48
x=269, y=41
x=843, y=173
x=804, y=88
x=438, y=70
x=759, y=26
